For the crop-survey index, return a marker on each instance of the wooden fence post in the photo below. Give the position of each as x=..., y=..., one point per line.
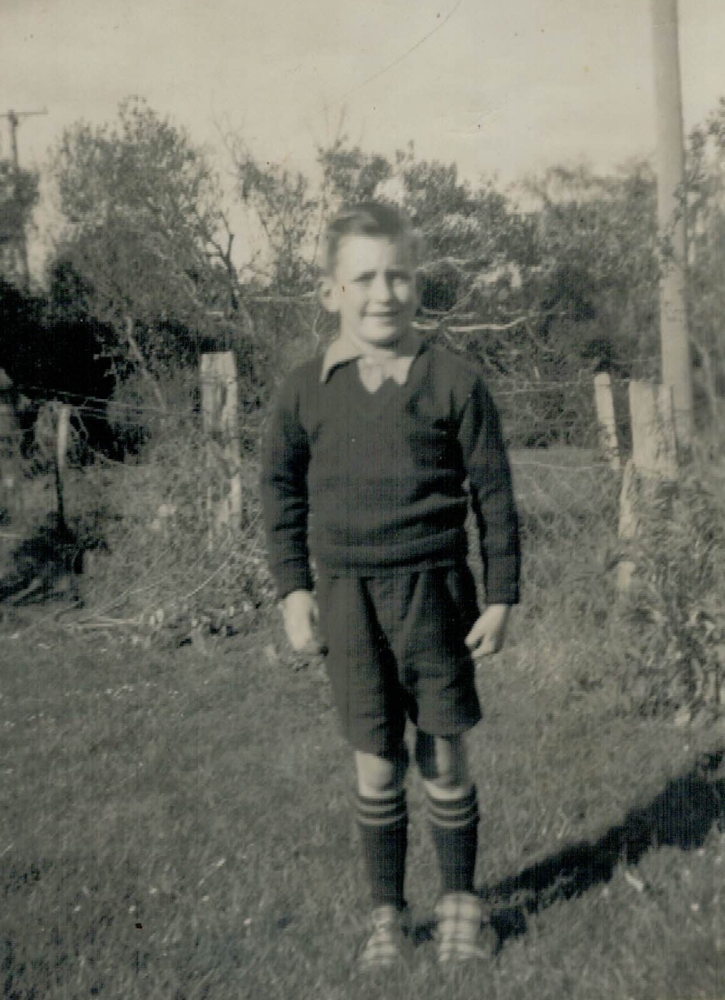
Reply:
x=61, y=452
x=650, y=474
x=219, y=405
x=604, y=402
x=9, y=438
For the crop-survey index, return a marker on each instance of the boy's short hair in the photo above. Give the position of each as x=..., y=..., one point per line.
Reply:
x=368, y=218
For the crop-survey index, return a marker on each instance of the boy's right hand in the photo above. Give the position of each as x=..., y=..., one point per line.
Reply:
x=299, y=610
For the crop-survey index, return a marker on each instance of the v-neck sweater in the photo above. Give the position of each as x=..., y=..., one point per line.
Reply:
x=370, y=484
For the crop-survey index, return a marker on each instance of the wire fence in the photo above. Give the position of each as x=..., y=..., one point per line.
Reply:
x=535, y=413
x=143, y=521
x=158, y=569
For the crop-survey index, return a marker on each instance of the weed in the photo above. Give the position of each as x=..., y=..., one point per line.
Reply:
x=676, y=608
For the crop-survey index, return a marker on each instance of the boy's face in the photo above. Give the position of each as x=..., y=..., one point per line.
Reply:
x=372, y=289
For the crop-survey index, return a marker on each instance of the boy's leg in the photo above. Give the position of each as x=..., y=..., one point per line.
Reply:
x=453, y=812
x=452, y=808
x=370, y=703
x=383, y=823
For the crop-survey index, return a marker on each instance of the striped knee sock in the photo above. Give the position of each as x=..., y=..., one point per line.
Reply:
x=454, y=826
x=383, y=825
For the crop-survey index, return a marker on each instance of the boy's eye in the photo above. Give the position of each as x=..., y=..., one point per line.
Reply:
x=394, y=277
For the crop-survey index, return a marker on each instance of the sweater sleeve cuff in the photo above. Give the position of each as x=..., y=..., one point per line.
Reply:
x=502, y=583
x=292, y=576
x=509, y=597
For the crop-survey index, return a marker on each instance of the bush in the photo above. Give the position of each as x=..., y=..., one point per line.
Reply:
x=677, y=603
x=167, y=566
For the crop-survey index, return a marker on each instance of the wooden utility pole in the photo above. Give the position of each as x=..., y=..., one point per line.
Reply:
x=13, y=118
x=676, y=368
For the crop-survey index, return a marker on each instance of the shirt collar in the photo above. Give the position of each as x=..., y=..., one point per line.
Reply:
x=341, y=351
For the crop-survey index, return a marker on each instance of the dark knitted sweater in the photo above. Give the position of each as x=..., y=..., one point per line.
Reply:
x=376, y=481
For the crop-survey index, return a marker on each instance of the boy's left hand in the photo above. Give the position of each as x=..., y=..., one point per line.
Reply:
x=487, y=635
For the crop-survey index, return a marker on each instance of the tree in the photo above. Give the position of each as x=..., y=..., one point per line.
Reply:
x=285, y=212
x=349, y=174
x=464, y=231
x=18, y=198
x=567, y=283
x=595, y=242
x=145, y=233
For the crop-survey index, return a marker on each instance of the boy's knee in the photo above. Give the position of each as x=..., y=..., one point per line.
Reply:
x=380, y=776
x=442, y=761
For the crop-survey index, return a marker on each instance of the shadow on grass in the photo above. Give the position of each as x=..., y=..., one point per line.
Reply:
x=681, y=816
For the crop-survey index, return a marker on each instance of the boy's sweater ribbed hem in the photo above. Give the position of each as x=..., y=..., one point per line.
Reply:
x=297, y=575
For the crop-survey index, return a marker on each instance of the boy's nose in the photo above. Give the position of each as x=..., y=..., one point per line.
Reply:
x=382, y=288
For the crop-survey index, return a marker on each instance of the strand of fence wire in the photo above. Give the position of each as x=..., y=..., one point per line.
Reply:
x=503, y=385
x=160, y=562
x=569, y=418
x=559, y=410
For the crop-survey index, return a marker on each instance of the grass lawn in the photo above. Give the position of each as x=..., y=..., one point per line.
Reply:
x=176, y=823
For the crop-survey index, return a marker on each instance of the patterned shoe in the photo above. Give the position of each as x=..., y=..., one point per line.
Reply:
x=458, y=932
x=389, y=944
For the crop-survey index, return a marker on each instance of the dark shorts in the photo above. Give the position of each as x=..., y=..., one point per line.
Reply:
x=396, y=650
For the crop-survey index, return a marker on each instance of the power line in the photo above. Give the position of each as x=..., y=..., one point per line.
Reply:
x=408, y=52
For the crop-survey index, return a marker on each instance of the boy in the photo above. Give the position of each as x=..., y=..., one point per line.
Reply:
x=367, y=452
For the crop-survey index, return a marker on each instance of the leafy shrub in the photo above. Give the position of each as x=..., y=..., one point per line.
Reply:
x=677, y=605
x=167, y=564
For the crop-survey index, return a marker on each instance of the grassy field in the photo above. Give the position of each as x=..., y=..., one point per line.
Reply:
x=176, y=806
x=176, y=822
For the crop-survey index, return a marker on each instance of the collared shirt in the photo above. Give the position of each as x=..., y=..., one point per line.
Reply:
x=373, y=369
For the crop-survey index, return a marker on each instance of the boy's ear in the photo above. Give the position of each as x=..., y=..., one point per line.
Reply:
x=328, y=293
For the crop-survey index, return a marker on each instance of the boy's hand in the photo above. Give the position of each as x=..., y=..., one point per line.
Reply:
x=299, y=610
x=487, y=635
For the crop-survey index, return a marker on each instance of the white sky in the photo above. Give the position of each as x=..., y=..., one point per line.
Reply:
x=497, y=86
